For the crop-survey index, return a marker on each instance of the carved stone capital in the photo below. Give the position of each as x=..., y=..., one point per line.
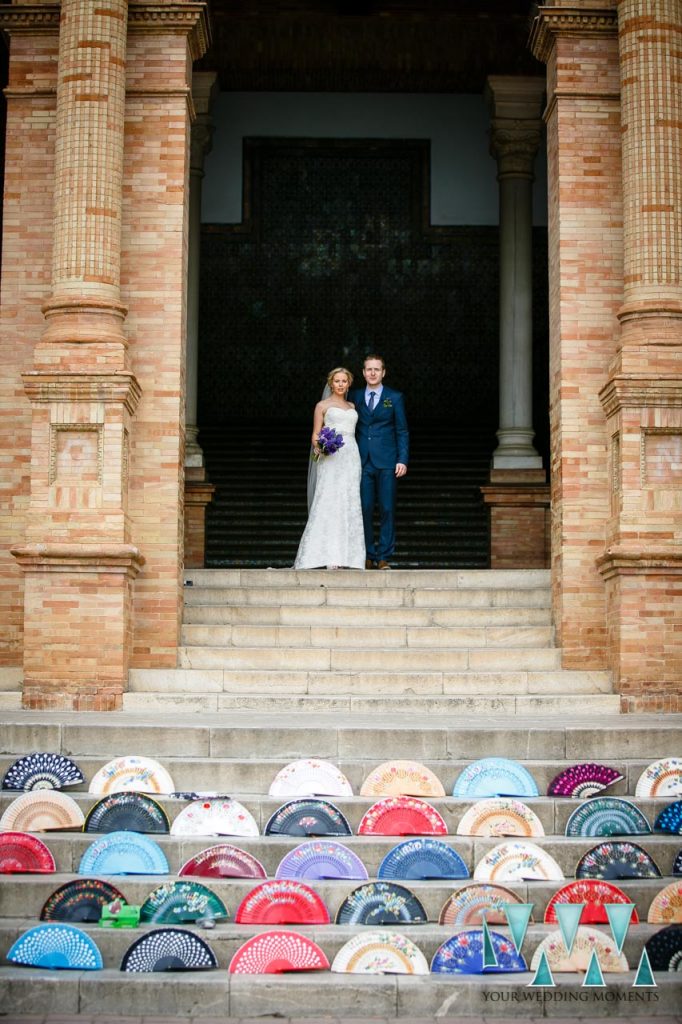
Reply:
x=551, y=22
x=121, y=559
x=621, y=560
x=187, y=16
x=514, y=144
x=626, y=391
x=58, y=386
x=201, y=137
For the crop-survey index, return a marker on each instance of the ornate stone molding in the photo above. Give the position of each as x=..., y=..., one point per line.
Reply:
x=620, y=560
x=29, y=19
x=574, y=21
x=514, y=144
x=188, y=16
x=58, y=386
x=84, y=558
x=640, y=392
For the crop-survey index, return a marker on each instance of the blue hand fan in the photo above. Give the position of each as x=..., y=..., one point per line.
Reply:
x=422, y=858
x=463, y=954
x=381, y=903
x=670, y=819
x=494, y=776
x=123, y=853
x=58, y=947
x=607, y=816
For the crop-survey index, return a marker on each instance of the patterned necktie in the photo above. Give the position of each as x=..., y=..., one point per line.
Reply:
x=370, y=404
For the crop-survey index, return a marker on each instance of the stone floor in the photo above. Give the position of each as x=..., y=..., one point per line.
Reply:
x=321, y=1020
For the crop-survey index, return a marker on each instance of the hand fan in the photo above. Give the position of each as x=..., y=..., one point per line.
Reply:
x=422, y=859
x=42, y=810
x=670, y=819
x=677, y=864
x=586, y=940
x=402, y=816
x=58, y=947
x=79, y=900
x=308, y=818
x=21, y=853
x=594, y=893
x=463, y=954
x=182, y=902
x=223, y=861
x=402, y=778
x=310, y=777
x=583, y=780
x=467, y=906
x=517, y=861
x=495, y=776
x=123, y=853
x=42, y=771
x=168, y=949
x=132, y=772
x=607, y=816
x=665, y=949
x=127, y=812
x=666, y=906
x=616, y=859
x=662, y=778
x=319, y=859
x=381, y=903
x=284, y=901
x=215, y=818
x=277, y=951
x=500, y=816
x=380, y=953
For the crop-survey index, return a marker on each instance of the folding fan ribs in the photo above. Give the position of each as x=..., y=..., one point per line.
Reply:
x=578, y=960
x=310, y=777
x=463, y=954
x=402, y=778
x=284, y=901
x=662, y=778
x=223, y=861
x=665, y=949
x=422, y=858
x=470, y=904
x=321, y=858
x=666, y=906
x=494, y=776
x=42, y=810
x=517, y=861
x=583, y=780
x=616, y=859
x=127, y=811
x=381, y=903
x=215, y=817
x=123, y=853
x=168, y=949
x=500, y=816
x=80, y=900
x=42, y=771
x=380, y=953
x=402, y=816
x=308, y=817
x=132, y=772
x=275, y=952
x=182, y=902
x=607, y=816
x=21, y=853
x=594, y=893
x=58, y=947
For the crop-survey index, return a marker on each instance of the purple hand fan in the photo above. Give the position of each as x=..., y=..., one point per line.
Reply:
x=583, y=780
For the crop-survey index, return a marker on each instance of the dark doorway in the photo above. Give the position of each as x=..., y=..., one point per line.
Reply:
x=336, y=257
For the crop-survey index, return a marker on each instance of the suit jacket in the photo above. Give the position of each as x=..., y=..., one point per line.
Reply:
x=382, y=435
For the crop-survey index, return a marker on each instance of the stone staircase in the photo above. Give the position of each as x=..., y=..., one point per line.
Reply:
x=411, y=641
x=239, y=753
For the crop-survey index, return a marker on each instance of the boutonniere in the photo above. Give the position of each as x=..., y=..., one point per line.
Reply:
x=388, y=404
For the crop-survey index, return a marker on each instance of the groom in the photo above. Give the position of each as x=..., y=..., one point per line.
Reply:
x=383, y=440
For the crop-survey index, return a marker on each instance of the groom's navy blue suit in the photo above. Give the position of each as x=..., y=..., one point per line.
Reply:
x=383, y=440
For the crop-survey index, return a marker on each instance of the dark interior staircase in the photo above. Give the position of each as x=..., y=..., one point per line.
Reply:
x=259, y=511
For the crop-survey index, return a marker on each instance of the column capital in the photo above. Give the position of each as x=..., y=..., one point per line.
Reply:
x=515, y=105
x=593, y=19
x=188, y=16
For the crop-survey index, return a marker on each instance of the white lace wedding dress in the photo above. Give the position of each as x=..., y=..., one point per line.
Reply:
x=334, y=534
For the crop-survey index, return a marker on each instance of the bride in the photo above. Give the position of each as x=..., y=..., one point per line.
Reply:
x=334, y=535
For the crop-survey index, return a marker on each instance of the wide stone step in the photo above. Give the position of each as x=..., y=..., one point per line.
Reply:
x=371, y=597
x=344, y=659
x=367, y=637
x=247, y=785
x=219, y=995
x=474, y=704
x=390, y=685
x=248, y=735
x=325, y=615
x=409, y=578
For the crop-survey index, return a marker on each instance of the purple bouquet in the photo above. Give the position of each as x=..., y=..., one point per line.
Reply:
x=328, y=441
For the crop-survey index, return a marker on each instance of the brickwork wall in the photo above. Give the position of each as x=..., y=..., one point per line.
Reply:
x=27, y=243
x=585, y=268
x=519, y=538
x=153, y=275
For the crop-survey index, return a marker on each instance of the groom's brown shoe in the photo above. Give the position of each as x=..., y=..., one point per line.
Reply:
x=369, y=564
x=383, y=565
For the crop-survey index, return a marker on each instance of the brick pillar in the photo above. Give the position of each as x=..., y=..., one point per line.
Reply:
x=77, y=557
x=642, y=563
x=580, y=47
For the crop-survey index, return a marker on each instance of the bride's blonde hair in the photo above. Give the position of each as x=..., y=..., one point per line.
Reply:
x=333, y=373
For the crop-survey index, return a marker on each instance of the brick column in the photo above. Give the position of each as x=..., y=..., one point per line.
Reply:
x=198, y=491
x=580, y=47
x=642, y=563
x=77, y=559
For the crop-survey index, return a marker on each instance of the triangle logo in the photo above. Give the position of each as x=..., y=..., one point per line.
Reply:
x=594, y=977
x=645, y=976
x=543, y=977
x=619, y=915
x=489, y=954
x=518, y=915
x=568, y=916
